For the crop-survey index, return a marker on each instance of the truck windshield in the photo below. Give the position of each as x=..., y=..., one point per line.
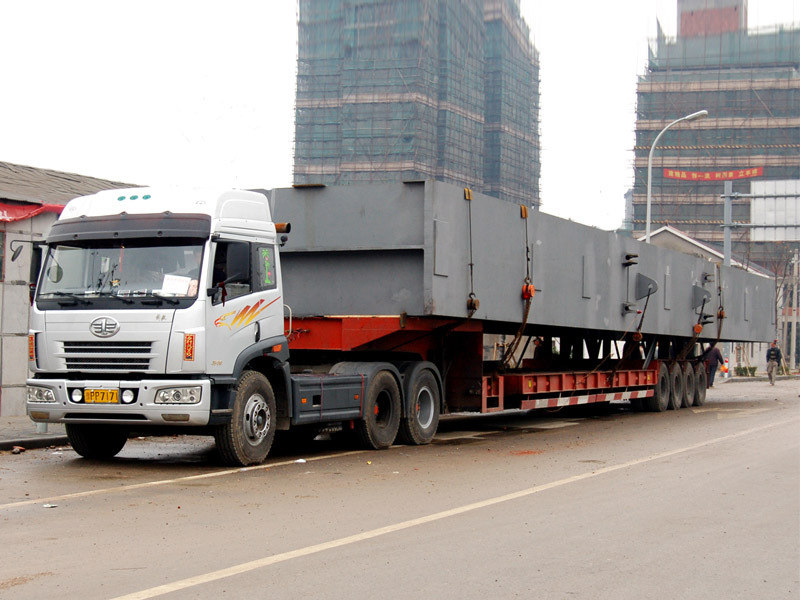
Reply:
x=126, y=272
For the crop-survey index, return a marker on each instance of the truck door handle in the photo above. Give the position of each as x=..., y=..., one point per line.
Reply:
x=258, y=330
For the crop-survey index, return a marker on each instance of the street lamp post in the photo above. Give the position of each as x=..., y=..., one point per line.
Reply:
x=701, y=114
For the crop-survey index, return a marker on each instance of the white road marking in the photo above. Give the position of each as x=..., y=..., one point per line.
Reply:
x=731, y=413
x=553, y=425
x=460, y=435
x=374, y=533
x=159, y=482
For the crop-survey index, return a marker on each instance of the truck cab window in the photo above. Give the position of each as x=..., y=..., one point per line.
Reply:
x=264, y=273
x=231, y=268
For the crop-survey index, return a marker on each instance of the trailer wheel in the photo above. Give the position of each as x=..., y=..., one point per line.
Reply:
x=689, y=384
x=96, y=441
x=659, y=401
x=247, y=438
x=419, y=426
x=700, y=384
x=382, y=408
x=676, y=387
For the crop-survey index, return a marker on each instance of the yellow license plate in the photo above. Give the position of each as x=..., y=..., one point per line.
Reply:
x=101, y=396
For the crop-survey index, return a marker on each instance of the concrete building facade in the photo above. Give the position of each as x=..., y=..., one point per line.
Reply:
x=421, y=89
x=30, y=201
x=749, y=82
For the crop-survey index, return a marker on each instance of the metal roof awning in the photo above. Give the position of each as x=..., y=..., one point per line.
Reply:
x=20, y=212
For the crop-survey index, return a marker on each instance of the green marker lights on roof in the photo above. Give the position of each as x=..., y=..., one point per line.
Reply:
x=145, y=197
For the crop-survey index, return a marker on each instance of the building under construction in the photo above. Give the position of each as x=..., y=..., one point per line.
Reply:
x=421, y=89
x=749, y=82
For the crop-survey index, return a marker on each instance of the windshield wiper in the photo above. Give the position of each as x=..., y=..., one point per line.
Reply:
x=70, y=296
x=124, y=299
x=158, y=299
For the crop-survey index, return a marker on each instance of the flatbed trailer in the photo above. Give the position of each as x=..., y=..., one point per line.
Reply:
x=473, y=384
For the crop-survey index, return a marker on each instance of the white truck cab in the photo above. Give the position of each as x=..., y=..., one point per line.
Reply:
x=149, y=304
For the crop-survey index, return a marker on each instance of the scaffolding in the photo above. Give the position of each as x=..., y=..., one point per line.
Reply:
x=749, y=82
x=402, y=91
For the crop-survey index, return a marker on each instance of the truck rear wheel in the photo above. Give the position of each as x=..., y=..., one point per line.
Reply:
x=659, y=401
x=96, y=441
x=689, y=383
x=420, y=424
x=676, y=387
x=382, y=408
x=700, y=384
x=247, y=438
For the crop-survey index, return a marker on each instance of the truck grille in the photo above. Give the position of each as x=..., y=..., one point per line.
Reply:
x=108, y=356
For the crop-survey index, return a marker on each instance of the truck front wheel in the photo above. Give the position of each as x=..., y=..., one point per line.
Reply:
x=247, y=438
x=382, y=407
x=96, y=441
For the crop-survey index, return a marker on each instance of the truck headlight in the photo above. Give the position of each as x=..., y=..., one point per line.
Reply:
x=40, y=395
x=178, y=395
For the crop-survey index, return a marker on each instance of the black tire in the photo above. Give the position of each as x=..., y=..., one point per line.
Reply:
x=675, y=387
x=247, y=438
x=700, y=384
x=381, y=421
x=659, y=401
x=420, y=424
x=96, y=441
x=688, y=385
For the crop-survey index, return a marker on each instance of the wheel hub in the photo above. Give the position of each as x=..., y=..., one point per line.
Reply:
x=425, y=407
x=256, y=418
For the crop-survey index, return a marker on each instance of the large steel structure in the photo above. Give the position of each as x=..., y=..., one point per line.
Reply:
x=421, y=249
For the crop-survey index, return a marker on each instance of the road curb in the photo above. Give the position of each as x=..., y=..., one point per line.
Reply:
x=35, y=441
x=756, y=378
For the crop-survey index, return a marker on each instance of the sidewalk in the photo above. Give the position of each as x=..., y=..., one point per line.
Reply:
x=21, y=431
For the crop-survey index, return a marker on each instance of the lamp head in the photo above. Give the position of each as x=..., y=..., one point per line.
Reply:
x=700, y=114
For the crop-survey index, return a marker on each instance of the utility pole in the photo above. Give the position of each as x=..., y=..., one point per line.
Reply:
x=727, y=222
x=792, y=341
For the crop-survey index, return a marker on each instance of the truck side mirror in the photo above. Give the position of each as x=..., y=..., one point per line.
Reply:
x=15, y=252
x=55, y=273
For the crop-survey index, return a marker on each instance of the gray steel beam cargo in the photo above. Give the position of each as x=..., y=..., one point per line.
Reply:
x=424, y=249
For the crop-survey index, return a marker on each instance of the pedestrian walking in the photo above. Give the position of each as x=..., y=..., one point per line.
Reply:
x=713, y=358
x=773, y=360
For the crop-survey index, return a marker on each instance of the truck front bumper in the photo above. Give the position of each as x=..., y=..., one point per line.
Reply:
x=120, y=401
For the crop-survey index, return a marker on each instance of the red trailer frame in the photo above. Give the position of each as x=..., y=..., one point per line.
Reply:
x=468, y=387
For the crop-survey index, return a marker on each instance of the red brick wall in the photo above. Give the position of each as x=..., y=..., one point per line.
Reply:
x=711, y=21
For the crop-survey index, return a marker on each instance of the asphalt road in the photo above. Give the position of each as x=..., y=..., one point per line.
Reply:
x=698, y=503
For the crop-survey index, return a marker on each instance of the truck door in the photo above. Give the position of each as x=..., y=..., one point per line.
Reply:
x=245, y=304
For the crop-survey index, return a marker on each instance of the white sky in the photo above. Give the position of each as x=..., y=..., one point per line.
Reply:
x=201, y=93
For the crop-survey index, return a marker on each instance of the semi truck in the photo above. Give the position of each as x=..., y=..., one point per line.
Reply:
x=362, y=309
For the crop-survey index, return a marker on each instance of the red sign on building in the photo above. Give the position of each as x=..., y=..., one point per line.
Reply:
x=714, y=175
